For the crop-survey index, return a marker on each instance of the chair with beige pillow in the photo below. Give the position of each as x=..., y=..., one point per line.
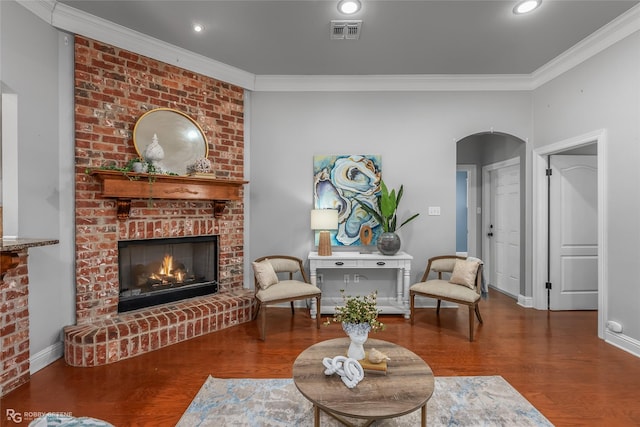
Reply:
x=269, y=289
x=458, y=280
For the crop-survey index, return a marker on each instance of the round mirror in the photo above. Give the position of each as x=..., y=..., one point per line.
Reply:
x=182, y=140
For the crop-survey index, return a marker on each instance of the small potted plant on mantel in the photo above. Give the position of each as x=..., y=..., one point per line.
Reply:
x=385, y=215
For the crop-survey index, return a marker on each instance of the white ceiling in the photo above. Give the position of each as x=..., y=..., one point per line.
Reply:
x=398, y=37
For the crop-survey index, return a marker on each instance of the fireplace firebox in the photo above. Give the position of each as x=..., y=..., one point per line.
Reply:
x=159, y=271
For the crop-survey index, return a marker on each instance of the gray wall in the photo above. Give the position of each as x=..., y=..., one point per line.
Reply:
x=415, y=133
x=604, y=93
x=36, y=65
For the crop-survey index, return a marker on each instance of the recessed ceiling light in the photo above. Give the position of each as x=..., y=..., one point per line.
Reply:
x=349, y=7
x=526, y=6
x=198, y=28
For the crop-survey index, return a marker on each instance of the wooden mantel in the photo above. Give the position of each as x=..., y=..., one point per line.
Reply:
x=125, y=186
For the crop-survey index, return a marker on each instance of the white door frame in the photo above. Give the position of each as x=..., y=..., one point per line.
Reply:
x=472, y=207
x=540, y=227
x=486, y=209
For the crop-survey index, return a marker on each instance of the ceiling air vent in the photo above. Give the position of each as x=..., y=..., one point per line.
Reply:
x=345, y=30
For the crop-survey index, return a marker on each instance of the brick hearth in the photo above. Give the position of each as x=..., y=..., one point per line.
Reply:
x=113, y=88
x=138, y=332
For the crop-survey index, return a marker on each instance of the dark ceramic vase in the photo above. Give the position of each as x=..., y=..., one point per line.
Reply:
x=388, y=243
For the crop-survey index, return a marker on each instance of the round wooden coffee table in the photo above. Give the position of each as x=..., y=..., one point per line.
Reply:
x=406, y=386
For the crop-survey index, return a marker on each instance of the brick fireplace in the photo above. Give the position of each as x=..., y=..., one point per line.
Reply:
x=113, y=88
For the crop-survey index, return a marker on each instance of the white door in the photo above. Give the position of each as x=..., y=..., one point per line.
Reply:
x=504, y=229
x=573, y=237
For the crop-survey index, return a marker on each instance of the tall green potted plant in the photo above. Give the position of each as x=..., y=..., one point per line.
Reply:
x=386, y=216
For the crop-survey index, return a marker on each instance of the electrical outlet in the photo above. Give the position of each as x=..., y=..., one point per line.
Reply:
x=356, y=278
x=346, y=278
x=320, y=278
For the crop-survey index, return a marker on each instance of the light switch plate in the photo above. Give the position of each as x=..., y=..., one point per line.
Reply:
x=434, y=210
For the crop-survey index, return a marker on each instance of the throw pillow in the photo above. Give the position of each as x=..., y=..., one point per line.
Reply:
x=464, y=273
x=265, y=274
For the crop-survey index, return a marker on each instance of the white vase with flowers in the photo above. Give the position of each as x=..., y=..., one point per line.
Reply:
x=358, y=316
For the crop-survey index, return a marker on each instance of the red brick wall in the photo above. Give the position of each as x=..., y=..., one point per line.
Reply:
x=14, y=327
x=113, y=88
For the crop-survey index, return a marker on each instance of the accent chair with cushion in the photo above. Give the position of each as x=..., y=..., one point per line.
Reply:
x=270, y=290
x=458, y=280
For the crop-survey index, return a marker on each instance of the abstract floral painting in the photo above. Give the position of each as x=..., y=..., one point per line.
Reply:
x=340, y=180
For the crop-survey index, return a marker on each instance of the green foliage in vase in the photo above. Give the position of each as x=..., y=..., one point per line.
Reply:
x=358, y=309
x=388, y=202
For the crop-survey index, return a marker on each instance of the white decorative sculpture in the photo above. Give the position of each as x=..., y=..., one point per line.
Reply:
x=349, y=369
x=376, y=356
x=154, y=154
x=201, y=165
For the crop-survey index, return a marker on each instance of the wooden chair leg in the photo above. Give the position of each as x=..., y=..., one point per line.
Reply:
x=256, y=309
x=263, y=321
x=318, y=316
x=478, y=313
x=438, y=307
x=471, y=320
x=412, y=305
x=292, y=312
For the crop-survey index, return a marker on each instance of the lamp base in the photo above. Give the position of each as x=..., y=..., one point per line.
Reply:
x=324, y=243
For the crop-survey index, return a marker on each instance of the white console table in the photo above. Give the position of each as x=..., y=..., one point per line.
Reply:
x=401, y=262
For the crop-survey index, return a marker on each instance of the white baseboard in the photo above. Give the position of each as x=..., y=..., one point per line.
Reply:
x=524, y=301
x=46, y=357
x=623, y=342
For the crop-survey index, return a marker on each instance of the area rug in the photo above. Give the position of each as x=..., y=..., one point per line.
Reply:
x=456, y=401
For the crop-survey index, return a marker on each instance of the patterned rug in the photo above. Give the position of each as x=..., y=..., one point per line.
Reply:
x=456, y=401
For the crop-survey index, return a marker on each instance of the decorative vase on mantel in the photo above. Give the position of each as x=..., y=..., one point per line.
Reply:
x=154, y=154
x=388, y=243
x=358, y=334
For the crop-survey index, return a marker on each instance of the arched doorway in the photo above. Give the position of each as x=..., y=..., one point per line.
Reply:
x=494, y=164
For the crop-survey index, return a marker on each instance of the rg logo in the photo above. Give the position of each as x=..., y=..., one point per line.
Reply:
x=14, y=416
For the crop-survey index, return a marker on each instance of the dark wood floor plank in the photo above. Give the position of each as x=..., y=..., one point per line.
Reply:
x=554, y=359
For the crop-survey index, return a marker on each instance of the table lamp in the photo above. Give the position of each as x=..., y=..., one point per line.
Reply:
x=324, y=220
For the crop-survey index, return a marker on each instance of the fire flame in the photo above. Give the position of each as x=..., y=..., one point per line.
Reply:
x=167, y=265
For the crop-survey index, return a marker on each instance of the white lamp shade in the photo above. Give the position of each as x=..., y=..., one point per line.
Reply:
x=324, y=219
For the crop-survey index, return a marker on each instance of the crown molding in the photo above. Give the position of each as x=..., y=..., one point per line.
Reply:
x=74, y=21
x=388, y=83
x=615, y=31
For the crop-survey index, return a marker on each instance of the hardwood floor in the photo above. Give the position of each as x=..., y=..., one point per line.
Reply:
x=554, y=359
